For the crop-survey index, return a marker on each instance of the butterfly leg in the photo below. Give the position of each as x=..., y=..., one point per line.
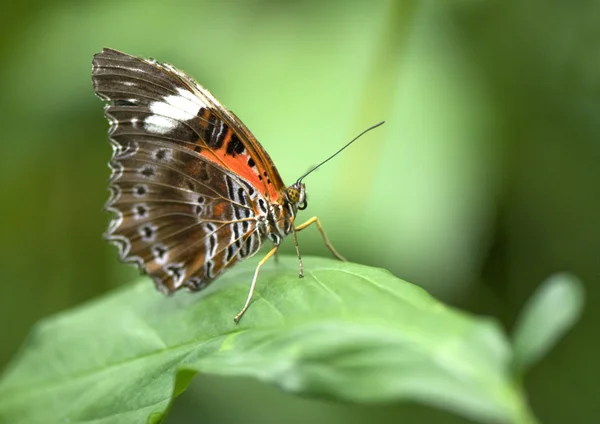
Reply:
x=237, y=318
x=315, y=220
x=301, y=273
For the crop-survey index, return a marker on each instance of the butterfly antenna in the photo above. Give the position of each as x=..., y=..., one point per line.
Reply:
x=339, y=151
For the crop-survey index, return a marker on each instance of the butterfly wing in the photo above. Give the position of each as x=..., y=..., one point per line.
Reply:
x=185, y=206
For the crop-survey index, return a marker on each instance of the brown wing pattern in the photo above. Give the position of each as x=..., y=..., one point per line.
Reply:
x=168, y=103
x=182, y=220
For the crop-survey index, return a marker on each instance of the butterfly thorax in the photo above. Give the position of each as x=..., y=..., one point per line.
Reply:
x=278, y=221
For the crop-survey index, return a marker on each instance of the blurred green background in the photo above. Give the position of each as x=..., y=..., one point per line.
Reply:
x=483, y=181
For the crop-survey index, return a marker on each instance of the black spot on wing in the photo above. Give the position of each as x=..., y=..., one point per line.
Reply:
x=159, y=252
x=262, y=205
x=235, y=146
x=147, y=171
x=140, y=190
x=141, y=211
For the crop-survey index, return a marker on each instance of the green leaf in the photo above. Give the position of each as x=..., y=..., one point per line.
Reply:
x=552, y=311
x=344, y=332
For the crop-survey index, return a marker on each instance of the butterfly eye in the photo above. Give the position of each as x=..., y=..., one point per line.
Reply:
x=293, y=194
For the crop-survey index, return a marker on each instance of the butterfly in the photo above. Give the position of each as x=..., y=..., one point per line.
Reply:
x=192, y=190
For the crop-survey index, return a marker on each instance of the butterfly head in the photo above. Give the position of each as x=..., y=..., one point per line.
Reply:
x=296, y=195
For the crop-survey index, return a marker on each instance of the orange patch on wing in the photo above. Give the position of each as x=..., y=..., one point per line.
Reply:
x=238, y=164
x=219, y=208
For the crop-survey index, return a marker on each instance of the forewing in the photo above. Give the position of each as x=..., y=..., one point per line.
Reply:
x=164, y=102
